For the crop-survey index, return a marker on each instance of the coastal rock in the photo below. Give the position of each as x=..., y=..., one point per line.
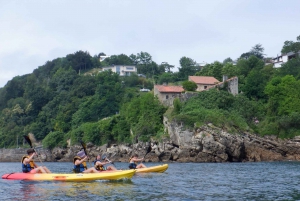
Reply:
x=200, y=144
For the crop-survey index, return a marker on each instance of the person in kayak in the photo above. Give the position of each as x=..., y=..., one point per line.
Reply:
x=133, y=162
x=99, y=164
x=80, y=164
x=28, y=165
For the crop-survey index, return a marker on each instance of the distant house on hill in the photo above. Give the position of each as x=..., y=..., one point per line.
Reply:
x=167, y=94
x=121, y=69
x=203, y=82
x=279, y=60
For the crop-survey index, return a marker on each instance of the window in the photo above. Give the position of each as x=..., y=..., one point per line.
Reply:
x=129, y=68
x=118, y=69
x=167, y=96
x=205, y=87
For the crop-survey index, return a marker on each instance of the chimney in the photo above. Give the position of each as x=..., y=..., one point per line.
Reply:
x=225, y=77
x=164, y=83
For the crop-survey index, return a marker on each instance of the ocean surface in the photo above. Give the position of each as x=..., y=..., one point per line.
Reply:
x=182, y=181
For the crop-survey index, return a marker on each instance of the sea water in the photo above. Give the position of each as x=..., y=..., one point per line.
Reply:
x=182, y=181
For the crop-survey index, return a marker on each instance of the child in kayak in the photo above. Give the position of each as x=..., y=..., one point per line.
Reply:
x=28, y=165
x=133, y=162
x=99, y=164
x=80, y=164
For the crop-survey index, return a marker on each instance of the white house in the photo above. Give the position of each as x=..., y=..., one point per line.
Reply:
x=279, y=60
x=121, y=69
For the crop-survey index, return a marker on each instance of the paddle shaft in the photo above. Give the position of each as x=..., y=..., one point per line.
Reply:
x=148, y=151
x=30, y=144
x=110, y=162
x=84, y=149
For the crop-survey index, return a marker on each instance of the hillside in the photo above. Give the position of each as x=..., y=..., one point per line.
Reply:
x=58, y=101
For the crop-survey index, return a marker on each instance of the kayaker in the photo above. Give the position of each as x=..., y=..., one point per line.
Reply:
x=99, y=164
x=28, y=165
x=133, y=162
x=80, y=164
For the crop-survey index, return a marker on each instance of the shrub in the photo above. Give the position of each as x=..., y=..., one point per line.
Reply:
x=189, y=86
x=54, y=139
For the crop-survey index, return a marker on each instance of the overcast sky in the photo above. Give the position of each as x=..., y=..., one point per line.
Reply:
x=33, y=32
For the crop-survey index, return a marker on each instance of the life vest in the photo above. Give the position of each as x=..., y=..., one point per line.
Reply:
x=132, y=165
x=99, y=167
x=79, y=168
x=30, y=166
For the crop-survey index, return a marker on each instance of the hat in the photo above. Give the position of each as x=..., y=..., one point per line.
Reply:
x=81, y=154
x=31, y=150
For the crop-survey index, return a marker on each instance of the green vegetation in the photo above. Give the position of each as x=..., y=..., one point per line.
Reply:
x=67, y=98
x=189, y=86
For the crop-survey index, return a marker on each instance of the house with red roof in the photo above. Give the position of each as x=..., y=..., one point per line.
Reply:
x=167, y=94
x=203, y=82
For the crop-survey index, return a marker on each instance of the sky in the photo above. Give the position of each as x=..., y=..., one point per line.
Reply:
x=33, y=32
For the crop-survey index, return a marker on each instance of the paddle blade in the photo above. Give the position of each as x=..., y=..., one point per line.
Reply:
x=149, y=149
x=32, y=138
x=83, y=146
x=28, y=140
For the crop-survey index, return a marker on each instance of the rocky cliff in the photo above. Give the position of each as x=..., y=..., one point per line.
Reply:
x=203, y=144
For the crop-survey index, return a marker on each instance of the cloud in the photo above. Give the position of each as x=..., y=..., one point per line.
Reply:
x=33, y=32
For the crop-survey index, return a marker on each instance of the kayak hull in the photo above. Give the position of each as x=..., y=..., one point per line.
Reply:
x=158, y=168
x=113, y=175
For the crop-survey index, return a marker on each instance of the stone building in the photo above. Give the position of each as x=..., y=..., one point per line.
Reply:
x=232, y=84
x=203, y=82
x=167, y=94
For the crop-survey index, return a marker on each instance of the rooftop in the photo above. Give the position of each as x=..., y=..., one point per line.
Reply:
x=169, y=89
x=203, y=79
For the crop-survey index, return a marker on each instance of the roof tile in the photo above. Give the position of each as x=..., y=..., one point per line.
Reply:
x=203, y=79
x=169, y=89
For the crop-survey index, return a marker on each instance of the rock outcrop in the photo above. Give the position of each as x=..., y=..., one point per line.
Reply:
x=203, y=144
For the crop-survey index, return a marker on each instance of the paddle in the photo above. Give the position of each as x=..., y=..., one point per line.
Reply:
x=84, y=149
x=103, y=157
x=30, y=144
x=148, y=151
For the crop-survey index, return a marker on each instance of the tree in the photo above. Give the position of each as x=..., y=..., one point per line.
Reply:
x=165, y=67
x=145, y=65
x=230, y=70
x=144, y=114
x=255, y=84
x=284, y=95
x=187, y=67
x=290, y=68
x=80, y=60
x=166, y=78
x=227, y=60
x=290, y=46
x=101, y=54
x=257, y=51
x=189, y=86
x=214, y=70
x=121, y=59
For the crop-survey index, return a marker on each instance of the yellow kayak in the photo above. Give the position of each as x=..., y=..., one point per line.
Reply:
x=107, y=175
x=159, y=168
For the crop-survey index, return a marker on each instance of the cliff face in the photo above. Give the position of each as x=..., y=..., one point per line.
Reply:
x=212, y=144
x=204, y=144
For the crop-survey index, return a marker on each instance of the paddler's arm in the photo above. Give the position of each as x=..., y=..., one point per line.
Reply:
x=27, y=160
x=78, y=162
x=138, y=159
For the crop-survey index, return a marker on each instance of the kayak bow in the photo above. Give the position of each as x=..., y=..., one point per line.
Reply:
x=158, y=168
